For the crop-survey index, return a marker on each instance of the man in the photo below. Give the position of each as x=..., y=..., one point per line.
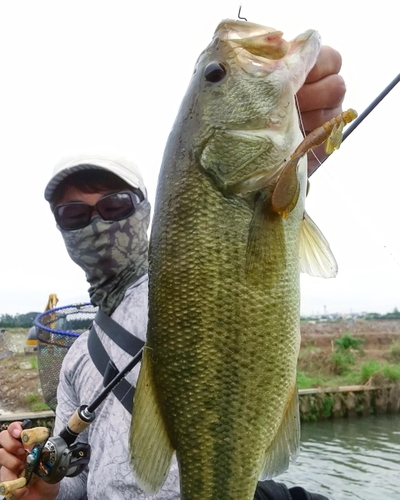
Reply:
x=101, y=208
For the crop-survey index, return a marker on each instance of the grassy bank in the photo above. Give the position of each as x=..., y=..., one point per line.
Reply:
x=332, y=354
x=345, y=362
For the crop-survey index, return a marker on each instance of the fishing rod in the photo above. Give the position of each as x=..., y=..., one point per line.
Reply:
x=373, y=105
x=368, y=110
x=53, y=458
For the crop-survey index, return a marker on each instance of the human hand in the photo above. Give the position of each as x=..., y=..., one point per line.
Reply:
x=321, y=97
x=12, y=461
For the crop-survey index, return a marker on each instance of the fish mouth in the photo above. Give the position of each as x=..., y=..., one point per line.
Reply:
x=258, y=40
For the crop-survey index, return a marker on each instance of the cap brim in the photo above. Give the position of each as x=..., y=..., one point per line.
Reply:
x=123, y=168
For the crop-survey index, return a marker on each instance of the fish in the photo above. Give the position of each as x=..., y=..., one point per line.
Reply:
x=230, y=235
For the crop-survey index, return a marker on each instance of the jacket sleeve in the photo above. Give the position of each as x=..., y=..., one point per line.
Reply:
x=71, y=488
x=270, y=490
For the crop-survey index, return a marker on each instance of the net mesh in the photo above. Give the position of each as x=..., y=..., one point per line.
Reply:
x=57, y=329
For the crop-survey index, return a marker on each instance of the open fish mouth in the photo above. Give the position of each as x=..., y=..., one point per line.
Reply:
x=256, y=39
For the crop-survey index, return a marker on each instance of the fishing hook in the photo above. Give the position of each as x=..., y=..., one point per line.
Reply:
x=242, y=18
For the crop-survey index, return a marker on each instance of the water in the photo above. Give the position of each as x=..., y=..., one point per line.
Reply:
x=349, y=459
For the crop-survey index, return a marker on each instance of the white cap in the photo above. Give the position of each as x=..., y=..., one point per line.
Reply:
x=123, y=168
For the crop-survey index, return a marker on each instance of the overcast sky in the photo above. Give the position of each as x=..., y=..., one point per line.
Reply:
x=108, y=76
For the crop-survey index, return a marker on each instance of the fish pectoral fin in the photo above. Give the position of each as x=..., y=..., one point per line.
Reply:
x=150, y=448
x=235, y=160
x=266, y=246
x=286, y=444
x=287, y=189
x=316, y=257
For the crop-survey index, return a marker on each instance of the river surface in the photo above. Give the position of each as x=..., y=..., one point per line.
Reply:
x=349, y=459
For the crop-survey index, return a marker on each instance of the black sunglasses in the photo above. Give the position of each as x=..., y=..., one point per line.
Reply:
x=112, y=207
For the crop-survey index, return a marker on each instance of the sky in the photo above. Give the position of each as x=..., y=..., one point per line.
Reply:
x=109, y=76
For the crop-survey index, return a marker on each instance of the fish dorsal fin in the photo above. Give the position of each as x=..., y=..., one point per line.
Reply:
x=316, y=257
x=150, y=448
x=286, y=444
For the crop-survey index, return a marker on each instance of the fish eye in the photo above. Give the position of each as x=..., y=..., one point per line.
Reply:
x=215, y=72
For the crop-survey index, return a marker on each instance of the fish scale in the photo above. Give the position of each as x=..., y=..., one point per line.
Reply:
x=218, y=380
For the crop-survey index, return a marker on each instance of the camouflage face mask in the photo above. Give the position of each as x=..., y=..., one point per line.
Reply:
x=112, y=254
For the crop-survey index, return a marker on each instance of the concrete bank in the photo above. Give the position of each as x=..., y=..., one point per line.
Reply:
x=39, y=419
x=348, y=401
x=315, y=404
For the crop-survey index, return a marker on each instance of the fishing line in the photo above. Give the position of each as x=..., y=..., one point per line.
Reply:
x=350, y=128
x=347, y=132
x=373, y=105
x=303, y=131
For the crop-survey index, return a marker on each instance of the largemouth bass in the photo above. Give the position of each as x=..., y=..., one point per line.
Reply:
x=218, y=378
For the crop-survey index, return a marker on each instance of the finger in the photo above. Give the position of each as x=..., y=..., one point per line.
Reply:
x=314, y=119
x=11, y=465
x=7, y=475
x=15, y=429
x=12, y=447
x=9, y=439
x=329, y=62
x=12, y=452
x=323, y=94
x=7, y=487
x=20, y=493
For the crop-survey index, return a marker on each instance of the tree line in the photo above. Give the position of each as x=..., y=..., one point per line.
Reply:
x=17, y=320
x=26, y=320
x=395, y=314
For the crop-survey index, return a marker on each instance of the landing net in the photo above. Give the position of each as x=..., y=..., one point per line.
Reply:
x=57, y=330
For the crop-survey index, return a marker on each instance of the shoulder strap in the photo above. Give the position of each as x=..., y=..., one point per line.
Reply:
x=125, y=340
x=124, y=391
